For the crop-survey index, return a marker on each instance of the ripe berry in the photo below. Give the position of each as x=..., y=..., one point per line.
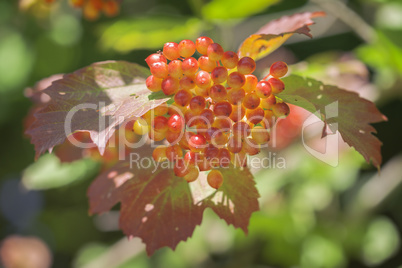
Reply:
x=217, y=93
x=263, y=89
x=173, y=137
x=251, y=101
x=176, y=123
x=229, y=59
x=197, y=104
x=110, y=8
x=202, y=44
x=207, y=116
x=250, y=146
x=280, y=109
x=241, y=129
x=174, y=152
x=203, y=92
x=215, y=51
x=236, y=80
x=197, y=143
x=154, y=84
x=190, y=157
x=268, y=102
x=170, y=86
x=251, y=83
x=278, y=69
x=171, y=51
x=234, y=144
x=277, y=85
x=181, y=168
x=224, y=157
x=215, y=179
x=219, y=75
x=182, y=97
x=186, y=48
x=246, y=65
x=211, y=152
x=187, y=82
x=255, y=116
x=189, y=66
x=238, y=112
x=236, y=96
x=206, y=64
x=223, y=108
x=204, y=164
x=160, y=123
x=175, y=69
x=156, y=135
x=156, y=57
x=161, y=109
x=203, y=79
x=223, y=123
x=159, y=153
x=159, y=69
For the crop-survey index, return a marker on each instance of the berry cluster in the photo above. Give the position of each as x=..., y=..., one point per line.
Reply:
x=93, y=8
x=221, y=112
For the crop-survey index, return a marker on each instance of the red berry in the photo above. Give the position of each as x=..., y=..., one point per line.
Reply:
x=255, y=116
x=176, y=123
x=241, y=129
x=203, y=79
x=278, y=69
x=202, y=44
x=186, y=48
x=197, y=104
x=170, y=85
x=173, y=137
x=235, y=144
x=182, y=97
x=250, y=146
x=217, y=93
x=189, y=66
x=215, y=51
x=174, y=152
x=224, y=157
x=197, y=143
x=229, y=59
x=236, y=80
x=175, y=69
x=171, y=51
x=263, y=89
x=251, y=101
x=236, y=96
x=187, y=82
x=238, y=112
x=181, y=168
x=156, y=57
x=206, y=64
x=160, y=123
x=277, y=85
x=215, y=179
x=153, y=84
x=219, y=75
x=246, y=65
x=223, y=108
x=159, y=69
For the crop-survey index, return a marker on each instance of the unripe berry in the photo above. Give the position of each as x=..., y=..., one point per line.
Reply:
x=189, y=66
x=222, y=108
x=161, y=109
x=217, y=93
x=277, y=85
x=268, y=102
x=186, y=48
x=160, y=123
x=203, y=164
x=215, y=179
x=260, y=135
x=229, y=59
x=223, y=123
x=141, y=126
x=278, y=69
x=192, y=174
x=171, y=51
x=236, y=80
x=202, y=44
x=219, y=75
x=215, y=51
x=156, y=135
x=156, y=57
x=159, y=69
x=170, y=86
x=246, y=65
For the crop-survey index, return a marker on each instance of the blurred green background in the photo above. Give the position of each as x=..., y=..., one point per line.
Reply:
x=312, y=215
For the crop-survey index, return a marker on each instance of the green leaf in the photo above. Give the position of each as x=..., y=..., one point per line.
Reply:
x=94, y=99
x=148, y=32
x=352, y=114
x=228, y=9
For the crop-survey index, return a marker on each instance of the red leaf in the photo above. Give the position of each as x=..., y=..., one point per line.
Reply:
x=275, y=33
x=352, y=114
x=112, y=91
x=159, y=207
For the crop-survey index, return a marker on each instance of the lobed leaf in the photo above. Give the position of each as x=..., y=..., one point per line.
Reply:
x=162, y=210
x=352, y=114
x=95, y=99
x=275, y=33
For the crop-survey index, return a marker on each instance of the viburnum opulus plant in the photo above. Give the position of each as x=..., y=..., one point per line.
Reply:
x=221, y=112
x=205, y=117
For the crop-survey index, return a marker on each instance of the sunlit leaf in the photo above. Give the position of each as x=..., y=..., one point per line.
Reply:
x=275, y=33
x=94, y=99
x=352, y=114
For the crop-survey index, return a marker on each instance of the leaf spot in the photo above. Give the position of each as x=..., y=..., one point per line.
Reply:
x=149, y=207
x=144, y=219
x=122, y=178
x=112, y=174
x=361, y=131
x=62, y=93
x=321, y=87
x=319, y=97
x=176, y=229
x=309, y=84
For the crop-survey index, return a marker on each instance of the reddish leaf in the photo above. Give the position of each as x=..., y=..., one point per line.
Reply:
x=352, y=114
x=275, y=33
x=112, y=92
x=159, y=207
x=236, y=199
